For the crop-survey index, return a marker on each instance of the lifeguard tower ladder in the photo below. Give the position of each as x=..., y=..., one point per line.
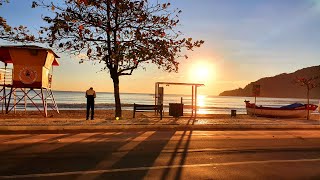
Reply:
x=28, y=79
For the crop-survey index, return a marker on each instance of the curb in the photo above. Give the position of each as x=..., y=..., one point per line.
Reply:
x=204, y=127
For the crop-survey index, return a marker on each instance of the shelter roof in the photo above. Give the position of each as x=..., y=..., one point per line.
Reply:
x=184, y=84
x=6, y=58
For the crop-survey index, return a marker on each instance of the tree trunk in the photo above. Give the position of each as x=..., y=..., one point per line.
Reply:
x=115, y=78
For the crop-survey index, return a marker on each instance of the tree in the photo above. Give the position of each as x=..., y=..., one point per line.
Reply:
x=15, y=34
x=122, y=34
x=4, y=27
x=310, y=84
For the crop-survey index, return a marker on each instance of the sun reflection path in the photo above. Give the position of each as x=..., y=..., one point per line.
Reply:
x=201, y=99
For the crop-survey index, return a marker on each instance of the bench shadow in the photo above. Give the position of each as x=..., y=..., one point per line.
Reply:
x=175, y=154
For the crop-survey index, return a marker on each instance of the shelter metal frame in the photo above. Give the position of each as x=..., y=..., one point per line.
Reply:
x=193, y=95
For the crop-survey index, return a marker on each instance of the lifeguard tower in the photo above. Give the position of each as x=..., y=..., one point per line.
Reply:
x=28, y=78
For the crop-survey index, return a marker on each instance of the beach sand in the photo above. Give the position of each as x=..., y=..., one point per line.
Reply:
x=106, y=118
x=102, y=114
x=66, y=114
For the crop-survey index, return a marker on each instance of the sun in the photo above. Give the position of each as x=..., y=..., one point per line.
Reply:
x=202, y=72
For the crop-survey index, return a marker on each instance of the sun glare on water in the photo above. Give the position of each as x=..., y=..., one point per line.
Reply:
x=201, y=104
x=201, y=100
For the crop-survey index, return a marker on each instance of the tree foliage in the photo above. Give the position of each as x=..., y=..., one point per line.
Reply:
x=3, y=1
x=15, y=34
x=5, y=29
x=310, y=83
x=123, y=34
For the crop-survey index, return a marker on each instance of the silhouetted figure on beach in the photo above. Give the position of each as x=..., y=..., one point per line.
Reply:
x=90, y=95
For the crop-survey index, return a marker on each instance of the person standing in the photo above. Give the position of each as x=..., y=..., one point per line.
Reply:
x=90, y=95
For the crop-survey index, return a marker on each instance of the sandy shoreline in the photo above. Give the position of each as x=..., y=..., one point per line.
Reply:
x=100, y=114
x=74, y=121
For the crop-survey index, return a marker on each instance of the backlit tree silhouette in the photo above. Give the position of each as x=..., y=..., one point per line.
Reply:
x=123, y=34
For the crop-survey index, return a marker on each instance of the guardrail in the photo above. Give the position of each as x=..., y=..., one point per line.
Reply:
x=6, y=76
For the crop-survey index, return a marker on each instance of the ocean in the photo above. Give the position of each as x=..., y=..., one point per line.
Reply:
x=67, y=100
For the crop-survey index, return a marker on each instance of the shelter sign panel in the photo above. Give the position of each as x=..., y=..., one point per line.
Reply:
x=160, y=95
x=256, y=90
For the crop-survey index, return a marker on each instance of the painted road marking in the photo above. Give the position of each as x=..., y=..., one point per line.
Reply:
x=154, y=168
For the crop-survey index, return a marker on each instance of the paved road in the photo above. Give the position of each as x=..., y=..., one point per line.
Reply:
x=162, y=155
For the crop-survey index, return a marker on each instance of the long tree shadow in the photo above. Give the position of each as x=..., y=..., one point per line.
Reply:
x=74, y=156
x=17, y=138
x=45, y=141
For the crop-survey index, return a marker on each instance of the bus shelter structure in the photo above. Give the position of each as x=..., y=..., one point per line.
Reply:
x=159, y=94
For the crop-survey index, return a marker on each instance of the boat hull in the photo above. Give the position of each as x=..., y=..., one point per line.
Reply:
x=294, y=113
x=297, y=112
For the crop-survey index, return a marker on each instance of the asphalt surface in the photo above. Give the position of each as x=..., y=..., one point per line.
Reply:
x=162, y=155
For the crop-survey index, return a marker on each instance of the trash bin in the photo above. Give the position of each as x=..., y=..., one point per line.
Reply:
x=175, y=109
x=233, y=113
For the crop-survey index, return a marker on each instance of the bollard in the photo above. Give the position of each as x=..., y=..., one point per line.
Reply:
x=233, y=113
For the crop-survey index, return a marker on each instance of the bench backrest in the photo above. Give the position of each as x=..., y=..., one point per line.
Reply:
x=147, y=107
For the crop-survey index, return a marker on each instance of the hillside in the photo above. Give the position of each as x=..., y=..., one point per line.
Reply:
x=281, y=86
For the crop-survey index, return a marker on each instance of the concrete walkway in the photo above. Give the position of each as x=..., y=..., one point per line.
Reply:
x=153, y=123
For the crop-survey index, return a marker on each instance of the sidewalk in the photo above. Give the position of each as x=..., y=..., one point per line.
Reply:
x=146, y=123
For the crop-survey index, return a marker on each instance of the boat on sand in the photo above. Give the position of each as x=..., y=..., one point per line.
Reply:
x=295, y=110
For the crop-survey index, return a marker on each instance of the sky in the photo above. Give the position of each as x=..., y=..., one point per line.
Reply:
x=245, y=40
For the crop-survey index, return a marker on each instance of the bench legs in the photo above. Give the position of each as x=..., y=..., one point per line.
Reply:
x=134, y=111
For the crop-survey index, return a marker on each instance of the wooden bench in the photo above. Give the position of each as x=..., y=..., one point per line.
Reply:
x=143, y=107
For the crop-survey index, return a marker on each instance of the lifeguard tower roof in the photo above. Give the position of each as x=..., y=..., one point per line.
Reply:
x=6, y=57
